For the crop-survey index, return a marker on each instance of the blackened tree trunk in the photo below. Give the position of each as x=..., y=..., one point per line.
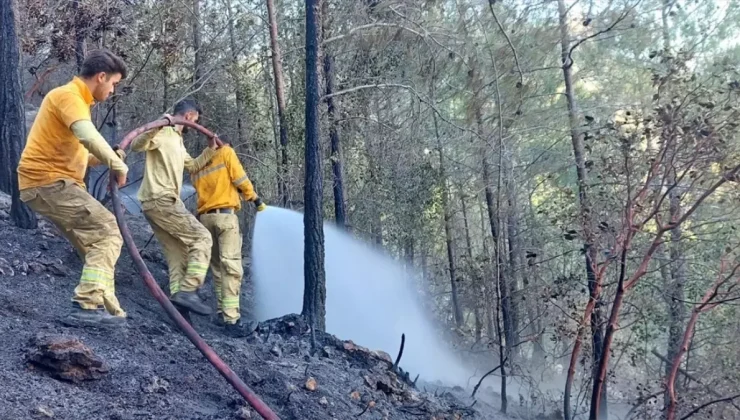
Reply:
x=503, y=302
x=12, y=116
x=314, y=296
x=337, y=160
x=597, y=318
x=198, y=59
x=277, y=69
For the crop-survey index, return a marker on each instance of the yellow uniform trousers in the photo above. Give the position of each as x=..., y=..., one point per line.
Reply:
x=185, y=242
x=226, y=262
x=92, y=230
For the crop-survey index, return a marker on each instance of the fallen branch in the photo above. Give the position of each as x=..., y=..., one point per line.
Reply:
x=701, y=407
x=369, y=405
x=485, y=376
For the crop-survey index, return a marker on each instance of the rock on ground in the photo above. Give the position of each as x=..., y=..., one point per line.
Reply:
x=65, y=358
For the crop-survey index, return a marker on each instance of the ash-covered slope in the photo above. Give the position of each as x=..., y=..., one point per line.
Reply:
x=153, y=372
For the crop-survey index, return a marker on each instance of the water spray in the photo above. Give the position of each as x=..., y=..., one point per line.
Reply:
x=157, y=292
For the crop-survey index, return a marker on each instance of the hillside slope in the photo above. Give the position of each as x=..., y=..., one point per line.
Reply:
x=156, y=373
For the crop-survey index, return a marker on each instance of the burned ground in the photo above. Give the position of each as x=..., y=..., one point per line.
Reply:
x=151, y=370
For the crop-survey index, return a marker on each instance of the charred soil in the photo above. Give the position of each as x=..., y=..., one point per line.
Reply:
x=149, y=370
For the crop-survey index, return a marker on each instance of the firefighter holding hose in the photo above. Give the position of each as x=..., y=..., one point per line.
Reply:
x=61, y=144
x=185, y=241
x=221, y=185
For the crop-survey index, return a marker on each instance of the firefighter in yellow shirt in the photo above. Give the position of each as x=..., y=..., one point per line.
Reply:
x=61, y=144
x=220, y=186
x=184, y=240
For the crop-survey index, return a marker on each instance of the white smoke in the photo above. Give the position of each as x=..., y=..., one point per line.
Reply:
x=369, y=295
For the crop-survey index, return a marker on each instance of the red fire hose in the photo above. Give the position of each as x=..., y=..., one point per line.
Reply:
x=159, y=295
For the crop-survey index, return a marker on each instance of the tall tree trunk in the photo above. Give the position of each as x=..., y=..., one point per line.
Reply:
x=79, y=35
x=198, y=56
x=277, y=69
x=476, y=279
x=501, y=283
x=337, y=160
x=12, y=116
x=468, y=241
x=675, y=282
x=241, y=123
x=514, y=268
x=595, y=307
x=165, y=88
x=487, y=290
x=268, y=83
x=314, y=297
x=456, y=308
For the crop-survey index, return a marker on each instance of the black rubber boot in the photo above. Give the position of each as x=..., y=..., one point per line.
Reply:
x=185, y=314
x=93, y=318
x=192, y=302
x=239, y=329
x=219, y=321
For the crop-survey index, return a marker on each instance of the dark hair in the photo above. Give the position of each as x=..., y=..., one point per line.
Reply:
x=185, y=106
x=102, y=60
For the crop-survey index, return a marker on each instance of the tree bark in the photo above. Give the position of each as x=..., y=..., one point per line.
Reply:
x=198, y=56
x=241, y=123
x=456, y=308
x=594, y=309
x=79, y=35
x=337, y=160
x=675, y=295
x=314, y=297
x=475, y=280
x=514, y=268
x=165, y=88
x=277, y=69
x=499, y=261
x=487, y=290
x=12, y=116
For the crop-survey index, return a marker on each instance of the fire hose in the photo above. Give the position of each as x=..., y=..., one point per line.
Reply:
x=157, y=292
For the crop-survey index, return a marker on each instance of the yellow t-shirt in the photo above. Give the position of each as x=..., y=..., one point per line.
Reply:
x=166, y=158
x=52, y=151
x=219, y=183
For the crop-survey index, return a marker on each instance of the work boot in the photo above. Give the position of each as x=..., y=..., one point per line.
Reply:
x=99, y=317
x=240, y=330
x=219, y=321
x=191, y=301
x=185, y=314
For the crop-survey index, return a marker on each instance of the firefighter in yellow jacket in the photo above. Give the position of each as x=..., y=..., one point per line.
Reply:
x=61, y=144
x=220, y=186
x=184, y=240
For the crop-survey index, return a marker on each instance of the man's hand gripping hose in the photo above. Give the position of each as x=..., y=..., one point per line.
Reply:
x=159, y=295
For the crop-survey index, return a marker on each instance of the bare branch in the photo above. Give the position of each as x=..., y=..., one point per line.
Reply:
x=410, y=89
x=622, y=17
x=370, y=26
x=705, y=405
